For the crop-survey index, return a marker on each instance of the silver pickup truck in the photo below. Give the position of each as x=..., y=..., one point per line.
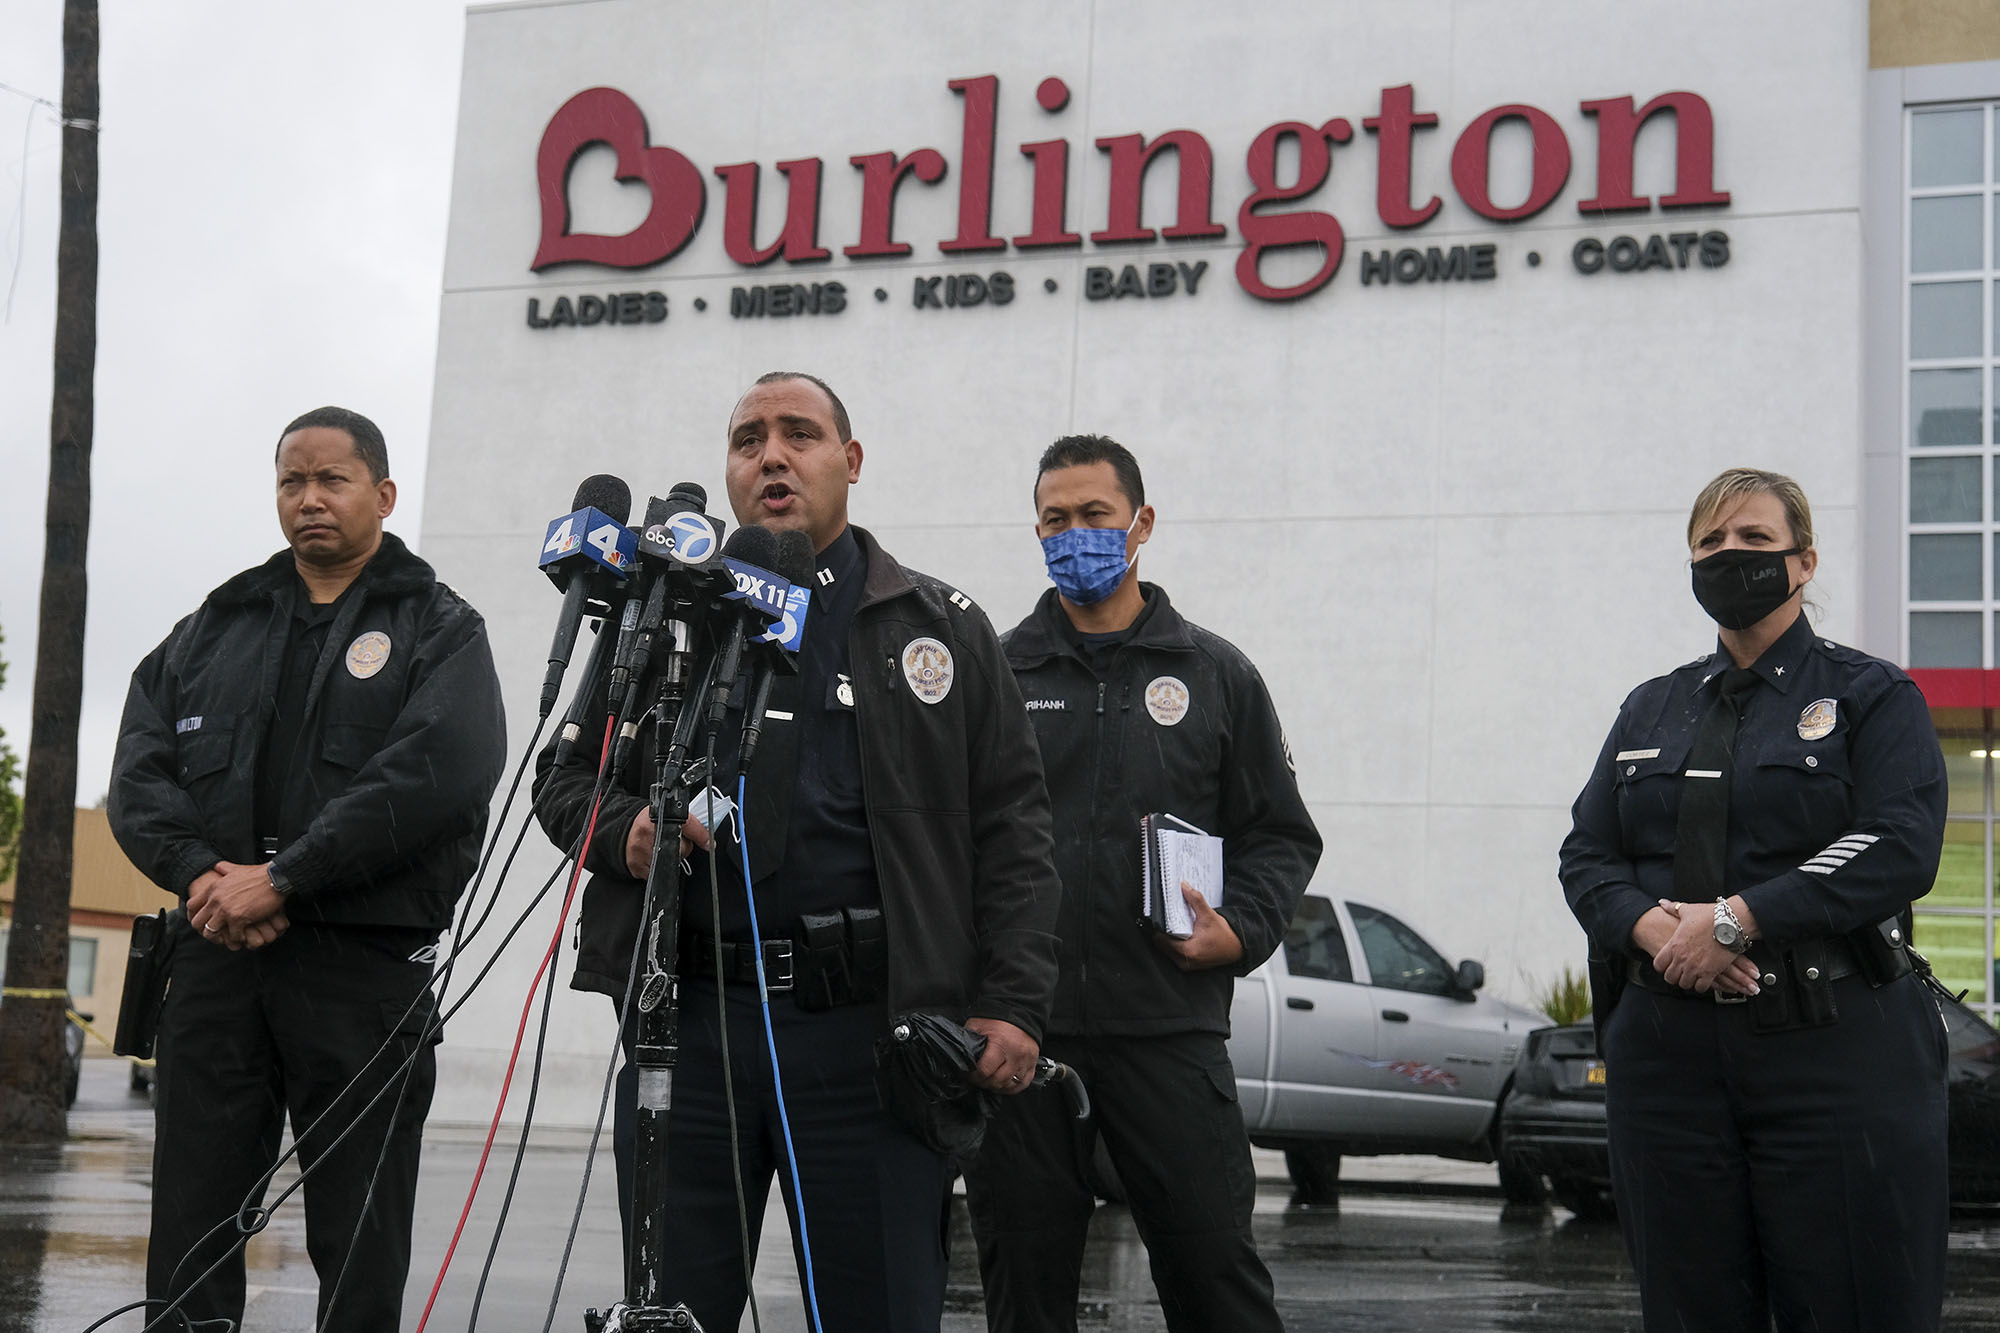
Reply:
x=1358, y=1038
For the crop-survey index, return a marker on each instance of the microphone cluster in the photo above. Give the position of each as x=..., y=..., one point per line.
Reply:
x=676, y=606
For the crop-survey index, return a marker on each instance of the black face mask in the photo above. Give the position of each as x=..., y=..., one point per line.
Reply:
x=1739, y=588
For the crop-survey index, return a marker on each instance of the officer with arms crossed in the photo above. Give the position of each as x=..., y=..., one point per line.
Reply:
x=899, y=847
x=306, y=761
x=1139, y=712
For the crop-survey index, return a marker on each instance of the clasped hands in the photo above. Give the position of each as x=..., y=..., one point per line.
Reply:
x=236, y=907
x=1680, y=939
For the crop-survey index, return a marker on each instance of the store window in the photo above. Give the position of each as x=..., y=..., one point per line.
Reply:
x=1954, y=924
x=1952, y=384
x=82, y=964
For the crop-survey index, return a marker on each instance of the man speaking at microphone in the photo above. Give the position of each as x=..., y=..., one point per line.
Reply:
x=1138, y=712
x=306, y=761
x=898, y=839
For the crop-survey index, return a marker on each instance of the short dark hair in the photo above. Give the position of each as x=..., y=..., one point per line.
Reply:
x=1080, y=450
x=367, y=436
x=840, y=422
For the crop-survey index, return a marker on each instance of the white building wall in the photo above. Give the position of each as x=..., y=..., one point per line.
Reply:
x=1445, y=519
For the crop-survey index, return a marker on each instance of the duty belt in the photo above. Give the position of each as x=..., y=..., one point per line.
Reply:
x=739, y=961
x=828, y=959
x=1794, y=980
x=1838, y=962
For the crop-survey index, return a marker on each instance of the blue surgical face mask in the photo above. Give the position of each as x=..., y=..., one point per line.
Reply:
x=1087, y=564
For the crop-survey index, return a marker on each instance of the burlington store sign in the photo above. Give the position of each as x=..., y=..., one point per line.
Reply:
x=1275, y=218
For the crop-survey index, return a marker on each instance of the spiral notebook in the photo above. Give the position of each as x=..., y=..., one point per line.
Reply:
x=1174, y=852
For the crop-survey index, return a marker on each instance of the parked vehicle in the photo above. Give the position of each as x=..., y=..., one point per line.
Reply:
x=1358, y=1038
x=1552, y=1123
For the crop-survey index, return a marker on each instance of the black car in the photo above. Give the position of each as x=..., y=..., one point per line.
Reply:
x=1552, y=1122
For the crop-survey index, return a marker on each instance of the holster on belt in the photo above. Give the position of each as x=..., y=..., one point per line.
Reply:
x=148, y=967
x=1883, y=950
x=843, y=958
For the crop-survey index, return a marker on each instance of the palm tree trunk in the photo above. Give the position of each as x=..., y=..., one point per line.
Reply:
x=31, y=1018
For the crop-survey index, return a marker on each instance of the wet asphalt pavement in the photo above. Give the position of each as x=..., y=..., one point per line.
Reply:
x=1387, y=1259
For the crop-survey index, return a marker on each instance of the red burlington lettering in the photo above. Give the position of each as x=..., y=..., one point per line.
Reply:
x=1270, y=231
x=881, y=173
x=975, y=167
x=607, y=116
x=1130, y=156
x=799, y=241
x=1471, y=163
x=1618, y=127
x=1393, y=130
x=1051, y=159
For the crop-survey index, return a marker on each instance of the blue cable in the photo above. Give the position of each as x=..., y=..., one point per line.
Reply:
x=770, y=1038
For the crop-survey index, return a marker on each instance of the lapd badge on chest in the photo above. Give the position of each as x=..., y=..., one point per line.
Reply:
x=1167, y=700
x=368, y=654
x=927, y=666
x=1817, y=720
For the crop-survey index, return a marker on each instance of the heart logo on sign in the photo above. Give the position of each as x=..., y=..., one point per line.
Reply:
x=607, y=116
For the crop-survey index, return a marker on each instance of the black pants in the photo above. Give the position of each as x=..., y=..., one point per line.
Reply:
x=1799, y=1176
x=876, y=1199
x=1166, y=1107
x=247, y=1037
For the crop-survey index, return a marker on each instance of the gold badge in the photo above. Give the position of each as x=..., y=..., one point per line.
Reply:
x=927, y=666
x=368, y=654
x=1817, y=720
x=1167, y=700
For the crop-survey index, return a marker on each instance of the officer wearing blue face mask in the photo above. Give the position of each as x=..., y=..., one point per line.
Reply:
x=1743, y=859
x=1138, y=712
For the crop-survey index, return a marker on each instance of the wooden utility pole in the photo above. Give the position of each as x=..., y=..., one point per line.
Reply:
x=31, y=1011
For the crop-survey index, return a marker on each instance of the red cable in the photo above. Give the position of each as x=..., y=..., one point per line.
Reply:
x=590, y=829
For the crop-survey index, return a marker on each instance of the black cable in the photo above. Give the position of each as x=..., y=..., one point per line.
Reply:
x=228, y=1325
x=520, y=1152
x=603, y=1101
x=459, y=939
x=728, y=1075
x=251, y=1218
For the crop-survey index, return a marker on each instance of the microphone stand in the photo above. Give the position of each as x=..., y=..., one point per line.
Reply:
x=656, y=1051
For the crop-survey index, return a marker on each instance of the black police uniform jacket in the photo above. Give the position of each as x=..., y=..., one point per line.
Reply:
x=403, y=743
x=958, y=817
x=1179, y=723
x=1831, y=828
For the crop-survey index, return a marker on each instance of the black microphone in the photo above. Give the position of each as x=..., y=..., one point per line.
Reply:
x=795, y=564
x=757, y=548
x=579, y=704
x=588, y=554
x=661, y=539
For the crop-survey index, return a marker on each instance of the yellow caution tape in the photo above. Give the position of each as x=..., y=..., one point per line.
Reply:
x=53, y=993
x=83, y=1023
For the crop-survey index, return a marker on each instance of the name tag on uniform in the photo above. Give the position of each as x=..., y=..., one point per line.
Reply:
x=1653, y=753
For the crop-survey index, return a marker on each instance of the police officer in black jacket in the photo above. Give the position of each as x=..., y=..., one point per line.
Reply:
x=1743, y=859
x=306, y=761
x=898, y=836
x=1139, y=712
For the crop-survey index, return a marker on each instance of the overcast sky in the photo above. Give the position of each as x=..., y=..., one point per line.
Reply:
x=274, y=181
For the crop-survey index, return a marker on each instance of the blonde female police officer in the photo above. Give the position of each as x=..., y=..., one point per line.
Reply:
x=1744, y=857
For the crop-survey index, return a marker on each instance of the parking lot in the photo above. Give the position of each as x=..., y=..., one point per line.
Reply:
x=1414, y=1244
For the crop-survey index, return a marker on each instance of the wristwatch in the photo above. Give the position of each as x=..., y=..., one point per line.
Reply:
x=281, y=883
x=1728, y=930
